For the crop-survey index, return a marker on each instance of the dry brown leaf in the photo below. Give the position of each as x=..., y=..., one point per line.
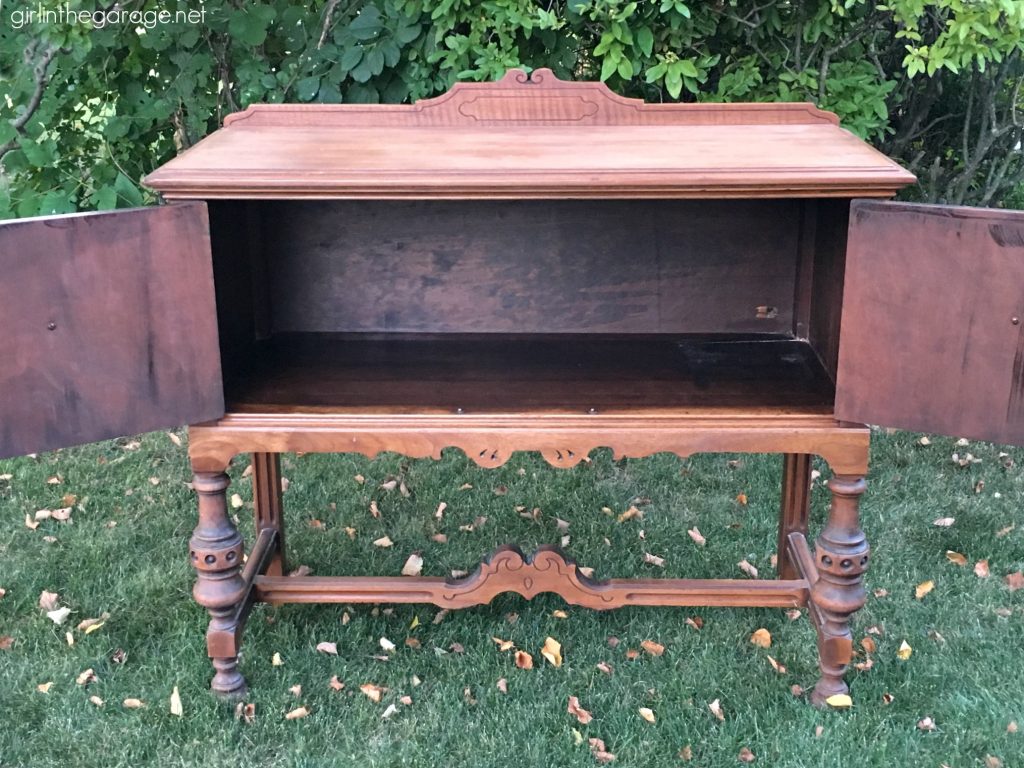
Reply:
x=374, y=509
x=440, y=538
x=632, y=654
x=351, y=532
x=696, y=622
x=746, y=756
x=762, y=638
x=904, y=651
x=875, y=629
x=62, y=515
x=944, y=522
x=695, y=534
x=955, y=557
x=552, y=651
x=1003, y=531
x=502, y=685
x=631, y=514
x=86, y=677
x=654, y=560
x=741, y=499
x=793, y=614
x=716, y=709
x=647, y=714
x=503, y=645
x=600, y=752
x=796, y=690
x=335, y=684
x=44, y=687
x=439, y=616
x=981, y=569
x=559, y=614
x=991, y=761
x=96, y=701
x=747, y=568
x=524, y=660
x=297, y=713
x=653, y=648
x=176, y=709
x=384, y=541
x=868, y=644
x=818, y=731
x=605, y=667
x=686, y=753
x=372, y=692
x=30, y=523
x=133, y=704
x=302, y=570
x=412, y=642
x=413, y=566
x=457, y=574
x=776, y=666
x=923, y=589
x=864, y=666
x=578, y=712
x=389, y=485
x=1015, y=581
x=327, y=647
x=276, y=660
x=926, y=724
x=48, y=600
x=1011, y=727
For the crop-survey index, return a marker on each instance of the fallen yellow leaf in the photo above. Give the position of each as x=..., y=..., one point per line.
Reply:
x=372, y=692
x=839, y=701
x=631, y=514
x=552, y=651
x=923, y=589
x=176, y=708
x=646, y=714
x=762, y=638
x=716, y=709
x=904, y=651
x=276, y=660
x=560, y=614
x=413, y=566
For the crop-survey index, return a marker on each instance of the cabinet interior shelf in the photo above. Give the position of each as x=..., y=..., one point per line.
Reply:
x=528, y=374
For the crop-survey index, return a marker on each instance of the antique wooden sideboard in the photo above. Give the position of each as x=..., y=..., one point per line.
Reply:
x=526, y=265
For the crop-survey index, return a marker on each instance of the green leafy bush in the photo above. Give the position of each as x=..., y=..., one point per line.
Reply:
x=88, y=110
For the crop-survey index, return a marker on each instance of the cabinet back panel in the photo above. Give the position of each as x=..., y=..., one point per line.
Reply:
x=567, y=266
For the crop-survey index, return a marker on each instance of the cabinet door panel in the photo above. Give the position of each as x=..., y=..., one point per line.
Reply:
x=932, y=332
x=109, y=326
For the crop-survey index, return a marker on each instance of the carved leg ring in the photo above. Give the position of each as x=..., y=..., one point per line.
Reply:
x=841, y=556
x=216, y=553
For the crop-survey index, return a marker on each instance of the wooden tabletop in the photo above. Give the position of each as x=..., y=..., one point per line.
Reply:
x=530, y=137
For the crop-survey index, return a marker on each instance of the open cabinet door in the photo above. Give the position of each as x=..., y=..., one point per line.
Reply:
x=932, y=335
x=107, y=326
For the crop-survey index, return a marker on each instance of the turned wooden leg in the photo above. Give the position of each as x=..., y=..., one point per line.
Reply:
x=216, y=553
x=266, y=486
x=841, y=556
x=796, y=507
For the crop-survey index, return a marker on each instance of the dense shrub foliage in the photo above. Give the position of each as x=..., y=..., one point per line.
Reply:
x=89, y=107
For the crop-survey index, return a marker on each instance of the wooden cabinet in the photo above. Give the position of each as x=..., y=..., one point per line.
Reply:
x=527, y=265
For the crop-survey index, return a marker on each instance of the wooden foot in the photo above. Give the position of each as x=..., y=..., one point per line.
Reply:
x=795, y=510
x=841, y=557
x=266, y=486
x=216, y=554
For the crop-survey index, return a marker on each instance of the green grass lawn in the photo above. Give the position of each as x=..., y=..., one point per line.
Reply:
x=124, y=553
